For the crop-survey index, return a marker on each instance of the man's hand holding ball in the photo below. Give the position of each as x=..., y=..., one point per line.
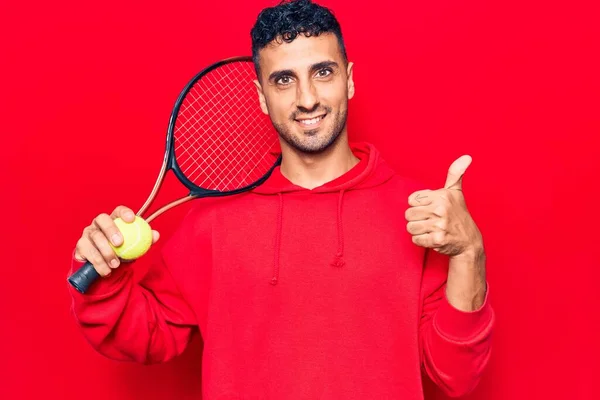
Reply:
x=109, y=239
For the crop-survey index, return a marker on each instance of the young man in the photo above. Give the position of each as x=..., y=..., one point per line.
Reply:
x=313, y=285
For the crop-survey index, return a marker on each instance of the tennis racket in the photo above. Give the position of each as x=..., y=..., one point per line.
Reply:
x=219, y=142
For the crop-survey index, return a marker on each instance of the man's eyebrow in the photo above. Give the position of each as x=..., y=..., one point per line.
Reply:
x=323, y=64
x=275, y=75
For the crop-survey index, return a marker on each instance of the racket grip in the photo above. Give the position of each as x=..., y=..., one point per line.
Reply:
x=83, y=278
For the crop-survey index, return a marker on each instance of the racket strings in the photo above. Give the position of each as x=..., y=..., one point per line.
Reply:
x=223, y=141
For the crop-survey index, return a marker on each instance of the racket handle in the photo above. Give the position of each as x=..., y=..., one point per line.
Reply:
x=84, y=277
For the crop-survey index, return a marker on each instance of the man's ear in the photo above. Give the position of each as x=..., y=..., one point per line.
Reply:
x=350, y=81
x=261, y=97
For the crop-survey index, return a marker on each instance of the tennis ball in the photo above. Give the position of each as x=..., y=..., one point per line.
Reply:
x=137, y=238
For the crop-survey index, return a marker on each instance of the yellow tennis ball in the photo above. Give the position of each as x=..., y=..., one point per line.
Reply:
x=137, y=238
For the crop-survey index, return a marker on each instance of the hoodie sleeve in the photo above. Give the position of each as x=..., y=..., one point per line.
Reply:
x=455, y=345
x=149, y=321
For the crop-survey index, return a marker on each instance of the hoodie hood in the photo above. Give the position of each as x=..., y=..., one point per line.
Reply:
x=370, y=171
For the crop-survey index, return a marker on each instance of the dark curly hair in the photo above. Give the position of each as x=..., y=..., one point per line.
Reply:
x=287, y=20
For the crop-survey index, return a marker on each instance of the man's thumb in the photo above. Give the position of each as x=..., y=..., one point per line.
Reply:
x=155, y=236
x=456, y=172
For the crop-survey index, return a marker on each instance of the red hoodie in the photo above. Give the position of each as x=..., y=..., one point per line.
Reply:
x=298, y=294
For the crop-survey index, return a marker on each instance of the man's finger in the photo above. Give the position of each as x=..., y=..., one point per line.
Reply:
x=79, y=248
x=125, y=213
x=430, y=240
x=456, y=172
x=87, y=251
x=107, y=226
x=420, y=198
x=423, y=240
x=419, y=213
x=419, y=227
x=101, y=243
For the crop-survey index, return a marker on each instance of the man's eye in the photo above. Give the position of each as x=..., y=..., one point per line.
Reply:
x=284, y=80
x=324, y=72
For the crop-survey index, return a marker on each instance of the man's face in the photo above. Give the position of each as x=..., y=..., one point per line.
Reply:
x=304, y=88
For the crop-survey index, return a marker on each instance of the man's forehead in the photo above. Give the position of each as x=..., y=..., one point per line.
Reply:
x=301, y=53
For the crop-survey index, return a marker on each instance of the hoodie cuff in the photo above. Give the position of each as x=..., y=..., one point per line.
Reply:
x=103, y=286
x=462, y=326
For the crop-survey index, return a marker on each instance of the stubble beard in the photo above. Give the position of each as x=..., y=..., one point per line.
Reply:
x=318, y=144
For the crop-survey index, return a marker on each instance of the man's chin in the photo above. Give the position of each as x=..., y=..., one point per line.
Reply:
x=311, y=133
x=312, y=142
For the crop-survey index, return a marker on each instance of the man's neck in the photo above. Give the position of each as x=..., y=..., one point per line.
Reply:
x=313, y=170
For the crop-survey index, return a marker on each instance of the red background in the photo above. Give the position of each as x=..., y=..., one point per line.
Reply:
x=87, y=88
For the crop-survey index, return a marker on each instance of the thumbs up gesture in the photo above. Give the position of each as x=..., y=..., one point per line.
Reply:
x=439, y=219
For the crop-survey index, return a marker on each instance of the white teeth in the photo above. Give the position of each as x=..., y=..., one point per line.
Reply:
x=311, y=121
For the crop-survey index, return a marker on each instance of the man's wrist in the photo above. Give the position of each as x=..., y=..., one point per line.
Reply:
x=467, y=285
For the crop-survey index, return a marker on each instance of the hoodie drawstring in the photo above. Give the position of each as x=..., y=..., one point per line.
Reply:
x=278, y=241
x=338, y=260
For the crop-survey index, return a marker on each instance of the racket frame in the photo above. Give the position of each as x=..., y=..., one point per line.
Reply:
x=170, y=162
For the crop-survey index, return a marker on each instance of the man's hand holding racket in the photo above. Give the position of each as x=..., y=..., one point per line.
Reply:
x=95, y=242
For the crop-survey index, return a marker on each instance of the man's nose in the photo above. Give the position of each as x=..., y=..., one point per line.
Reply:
x=307, y=97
